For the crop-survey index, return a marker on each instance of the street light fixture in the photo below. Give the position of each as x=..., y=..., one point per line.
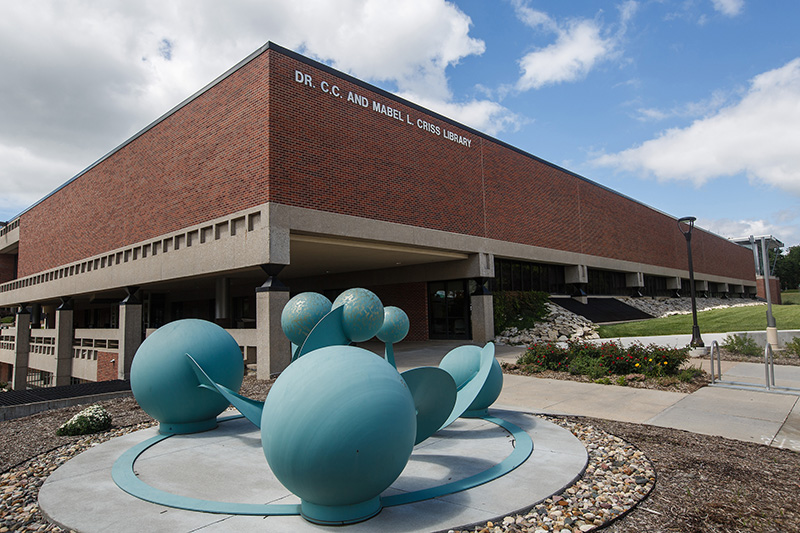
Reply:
x=688, y=223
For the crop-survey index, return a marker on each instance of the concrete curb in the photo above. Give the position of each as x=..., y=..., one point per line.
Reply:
x=18, y=411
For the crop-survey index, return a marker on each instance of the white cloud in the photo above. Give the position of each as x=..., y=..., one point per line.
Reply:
x=80, y=77
x=484, y=115
x=19, y=161
x=576, y=51
x=787, y=233
x=758, y=136
x=581, y=44
x=730, y=8
x=690, y=110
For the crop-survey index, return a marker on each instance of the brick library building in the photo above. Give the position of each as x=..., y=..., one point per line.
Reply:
x=283, y=176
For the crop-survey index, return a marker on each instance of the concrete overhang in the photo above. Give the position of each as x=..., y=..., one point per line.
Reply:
x=317, y=255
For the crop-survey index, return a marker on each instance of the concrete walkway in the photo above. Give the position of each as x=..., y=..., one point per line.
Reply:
x=747, y=415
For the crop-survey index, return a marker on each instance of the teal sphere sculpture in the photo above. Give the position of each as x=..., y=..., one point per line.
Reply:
x=395, y=325
x=338, y=428
x=462, y=364
x=363, y=314
x=302, y=313
x=165, y=385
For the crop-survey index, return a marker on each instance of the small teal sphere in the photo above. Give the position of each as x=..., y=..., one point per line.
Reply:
x=338, y=426
x=302, y=313
x=395, y=325
x=362, y=315
x=463, y=363
x=165, y=385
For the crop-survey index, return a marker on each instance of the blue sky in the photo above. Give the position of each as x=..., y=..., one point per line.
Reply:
x=691, y=107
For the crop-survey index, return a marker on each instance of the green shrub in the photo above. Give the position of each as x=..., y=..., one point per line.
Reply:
x=793, y=347
x=91, y=420
x=587, y=366
x=519, y=309
x=688, y=374
x=742, y=345
x=7, y=319
x=547, y=355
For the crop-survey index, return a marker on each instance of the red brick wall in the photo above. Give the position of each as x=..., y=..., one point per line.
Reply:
x=106, y=370
x=6, y=372
x=337, y=156
x=411, y=298
x=206, y=160
x=6, y=267
x=774, y=289
x=228, y=150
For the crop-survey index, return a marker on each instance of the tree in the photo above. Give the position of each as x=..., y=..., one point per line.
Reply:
x=787, y=268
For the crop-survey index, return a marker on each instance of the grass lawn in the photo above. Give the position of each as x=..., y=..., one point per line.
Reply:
x=715, y=321
x=790, y=297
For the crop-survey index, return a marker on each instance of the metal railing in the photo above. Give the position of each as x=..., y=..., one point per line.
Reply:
x=769, y=374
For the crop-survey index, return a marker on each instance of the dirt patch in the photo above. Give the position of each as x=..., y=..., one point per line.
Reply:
x=710, y=483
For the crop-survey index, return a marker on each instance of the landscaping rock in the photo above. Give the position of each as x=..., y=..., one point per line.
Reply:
x=564, y=326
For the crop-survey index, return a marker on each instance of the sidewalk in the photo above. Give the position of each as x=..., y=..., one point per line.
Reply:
x=751, y=416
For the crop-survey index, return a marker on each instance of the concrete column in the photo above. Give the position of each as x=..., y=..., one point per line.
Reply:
x=36, y=315
x=274, y=351
x=578, y=277
x=701, y=286
x=130, y=332
x=481, y=303
x=64, y=337
x=222, y=302
x=22, y=349
x=634, y=281
x=482, y=318
x=674, y=284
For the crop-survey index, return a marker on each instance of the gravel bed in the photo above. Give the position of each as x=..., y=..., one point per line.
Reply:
x=618, y=475
x=705, y=483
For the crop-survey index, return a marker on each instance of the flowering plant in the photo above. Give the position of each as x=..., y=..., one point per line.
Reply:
x=91, y=420
x=607, y=358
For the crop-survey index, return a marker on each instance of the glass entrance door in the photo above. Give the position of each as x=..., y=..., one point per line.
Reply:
x=448, y=303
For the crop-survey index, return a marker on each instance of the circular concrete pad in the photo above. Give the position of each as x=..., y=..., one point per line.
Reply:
x=227, y=464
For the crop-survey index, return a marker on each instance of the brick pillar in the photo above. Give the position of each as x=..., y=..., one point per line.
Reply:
x=6, y=371
x=22, y=348
x=130, y=332
x=64, y=336
x=274, y=351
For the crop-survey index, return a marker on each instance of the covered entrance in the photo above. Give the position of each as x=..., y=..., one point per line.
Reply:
x=449, y=310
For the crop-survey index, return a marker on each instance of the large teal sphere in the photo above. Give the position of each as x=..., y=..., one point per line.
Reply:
x=302, y=313
x=165, y=384
x=395, y=325
x=338, y=427
x=463, y=363
x=362, y=314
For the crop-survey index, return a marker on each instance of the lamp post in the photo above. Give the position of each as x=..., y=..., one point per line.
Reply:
x=688, y=222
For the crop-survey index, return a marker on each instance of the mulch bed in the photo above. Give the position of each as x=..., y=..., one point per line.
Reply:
x=668, y=383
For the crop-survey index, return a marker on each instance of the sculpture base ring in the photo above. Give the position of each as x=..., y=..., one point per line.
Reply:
x=223, y=475
x=124, y=476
